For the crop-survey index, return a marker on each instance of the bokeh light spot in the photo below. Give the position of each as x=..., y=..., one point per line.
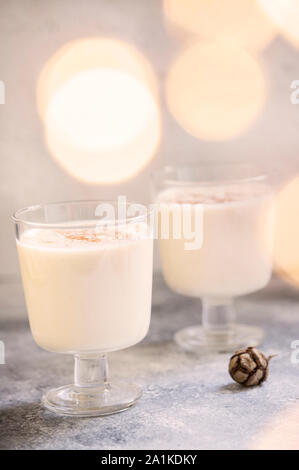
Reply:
x=285, y=15
x=97, y=100
x=215, y=90
x=242, y=21
x=286, y=253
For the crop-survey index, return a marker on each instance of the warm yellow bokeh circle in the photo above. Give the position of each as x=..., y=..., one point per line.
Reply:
x=242, y=21
x=285, y=15
x=97, y=99
x=215, y=90
x=286, y=253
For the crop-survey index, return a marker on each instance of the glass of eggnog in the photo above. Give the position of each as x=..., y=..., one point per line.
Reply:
x=87, y=276
x=215, y=241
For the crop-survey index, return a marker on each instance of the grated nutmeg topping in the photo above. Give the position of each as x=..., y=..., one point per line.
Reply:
x=212, y=194
x=72, y=238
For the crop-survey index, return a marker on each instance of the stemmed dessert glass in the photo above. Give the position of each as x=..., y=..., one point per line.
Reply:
x=87, y=276
x=231, y=213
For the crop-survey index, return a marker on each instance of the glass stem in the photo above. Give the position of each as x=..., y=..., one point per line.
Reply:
x=218, y=315
x=91, y=370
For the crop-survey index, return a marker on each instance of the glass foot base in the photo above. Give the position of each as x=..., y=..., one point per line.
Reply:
x=195, y=338
x=94, y=401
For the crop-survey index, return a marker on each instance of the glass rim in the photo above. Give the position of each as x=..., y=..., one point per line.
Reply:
x=257, y=175
x=16, y=216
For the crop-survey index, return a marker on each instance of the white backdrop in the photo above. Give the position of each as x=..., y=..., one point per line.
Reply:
x=31, y=31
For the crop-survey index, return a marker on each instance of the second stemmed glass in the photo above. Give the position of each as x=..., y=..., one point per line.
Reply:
x=235, y=257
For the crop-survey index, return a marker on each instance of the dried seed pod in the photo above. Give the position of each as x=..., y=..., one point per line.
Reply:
x=249, y=367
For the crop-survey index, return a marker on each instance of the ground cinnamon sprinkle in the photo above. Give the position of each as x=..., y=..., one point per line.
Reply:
x=95, y=237
x=207, y=196
x=207, y=200
x=83, y=237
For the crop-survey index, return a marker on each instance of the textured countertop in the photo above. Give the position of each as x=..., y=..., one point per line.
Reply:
x=188, y=401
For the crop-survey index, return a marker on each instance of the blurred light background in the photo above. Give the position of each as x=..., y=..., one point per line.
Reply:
x=99, y=93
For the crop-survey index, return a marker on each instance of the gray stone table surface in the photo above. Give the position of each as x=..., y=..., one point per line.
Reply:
x=188, y=401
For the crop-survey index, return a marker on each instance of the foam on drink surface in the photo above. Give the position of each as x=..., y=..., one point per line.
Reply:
x=210, y=194
x=76, y=238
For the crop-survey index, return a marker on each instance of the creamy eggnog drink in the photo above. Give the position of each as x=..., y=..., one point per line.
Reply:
x=87, y=275
x=85, y=290
x=231, y=221
x=235, y=257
